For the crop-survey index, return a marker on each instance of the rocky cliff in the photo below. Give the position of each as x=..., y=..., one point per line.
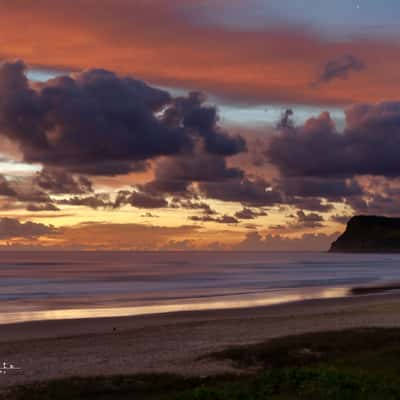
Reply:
x=369, y=234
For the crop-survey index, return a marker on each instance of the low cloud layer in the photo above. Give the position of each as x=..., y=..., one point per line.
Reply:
x=14, y=229
x=254, y=241
x=58, y=181
x=249, y=192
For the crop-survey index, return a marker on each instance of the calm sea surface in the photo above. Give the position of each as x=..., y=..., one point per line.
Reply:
x=41, y=285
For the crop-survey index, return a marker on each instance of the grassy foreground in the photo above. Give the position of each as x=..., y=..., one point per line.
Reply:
x=353, y=364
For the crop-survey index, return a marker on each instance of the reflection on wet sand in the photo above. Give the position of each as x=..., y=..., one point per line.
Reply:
x=228, y=302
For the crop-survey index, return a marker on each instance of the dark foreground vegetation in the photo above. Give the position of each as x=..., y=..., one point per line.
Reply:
x=353, y=364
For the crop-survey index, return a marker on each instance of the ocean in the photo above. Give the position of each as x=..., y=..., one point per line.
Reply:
x=64, y=285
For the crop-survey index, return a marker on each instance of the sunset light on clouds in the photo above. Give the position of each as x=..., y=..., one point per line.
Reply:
x=195, y=124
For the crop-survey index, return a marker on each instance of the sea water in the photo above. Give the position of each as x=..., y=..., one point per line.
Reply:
x=64, y=285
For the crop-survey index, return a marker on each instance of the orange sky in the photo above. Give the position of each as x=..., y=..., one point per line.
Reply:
x=152, y=40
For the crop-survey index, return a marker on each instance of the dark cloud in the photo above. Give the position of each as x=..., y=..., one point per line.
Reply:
x=25, y=191
x=303, y=220
x=144, y=200
x=58, y=181
x=310, y=204
x=369, y=145
x=248, y=213
x=315, y=193
x=300, y=221
x=175, y=174
x=98, y=200
x=339, y=68
x=193, y=205
x=278, y=227
x=201, y=119
x=286, y=121
x=224, y=219
x=149, y=215
x=42, y=207
x=253, y=193
x=93, y=119
x=12, y=229
x=307, y=242
x=252, y=226
x=6, y=188
x=384, y=203
x=99, y=123
x=139, y=199
x=333, y=189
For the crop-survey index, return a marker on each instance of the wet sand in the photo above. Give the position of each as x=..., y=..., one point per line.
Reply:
x=173, y=342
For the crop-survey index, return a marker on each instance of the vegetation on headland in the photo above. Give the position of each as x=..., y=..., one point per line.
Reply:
x=352, y=364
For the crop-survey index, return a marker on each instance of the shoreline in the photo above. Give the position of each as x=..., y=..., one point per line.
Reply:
x=222, y=302
x=173, y=343
x=357, y=294
x=35, y=329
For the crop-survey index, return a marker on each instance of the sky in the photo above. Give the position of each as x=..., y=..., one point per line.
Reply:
x=196, y=124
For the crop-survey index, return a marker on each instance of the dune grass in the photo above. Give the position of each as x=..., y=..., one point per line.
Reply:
x=352, y=364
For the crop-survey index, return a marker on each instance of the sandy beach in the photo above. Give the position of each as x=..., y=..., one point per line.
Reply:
x=173, y=342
